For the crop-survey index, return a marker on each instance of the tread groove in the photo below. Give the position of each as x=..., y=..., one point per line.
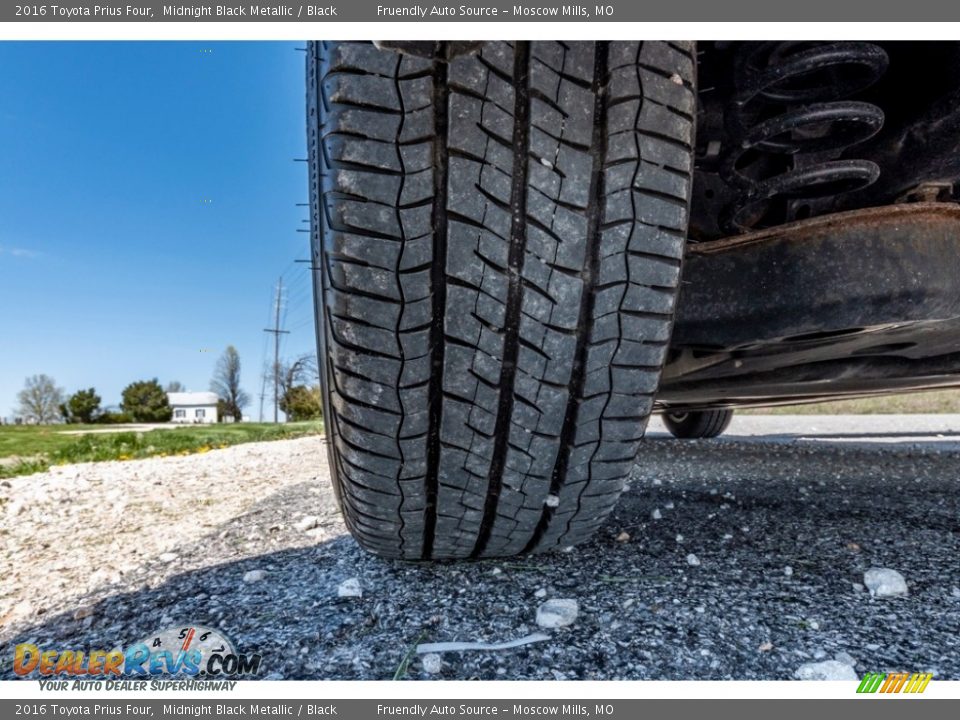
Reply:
x=590, y=272
x=438, y=289
x=515, y=256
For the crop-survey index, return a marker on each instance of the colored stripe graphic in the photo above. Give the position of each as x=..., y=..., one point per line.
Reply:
x=871, y=682
x=888, y=683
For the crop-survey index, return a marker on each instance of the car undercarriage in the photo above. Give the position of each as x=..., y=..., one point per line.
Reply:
x=824, y=259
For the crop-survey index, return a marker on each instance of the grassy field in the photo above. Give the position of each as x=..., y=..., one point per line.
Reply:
x=26, y=449
x=935, y=401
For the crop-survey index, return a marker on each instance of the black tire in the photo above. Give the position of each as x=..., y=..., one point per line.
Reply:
x=698, y=425
x=498, y=242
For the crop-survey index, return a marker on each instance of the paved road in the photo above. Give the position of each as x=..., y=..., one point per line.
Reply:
x=783, y=515
x=934, y=432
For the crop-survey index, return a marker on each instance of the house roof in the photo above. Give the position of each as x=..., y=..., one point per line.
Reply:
x=192, y=398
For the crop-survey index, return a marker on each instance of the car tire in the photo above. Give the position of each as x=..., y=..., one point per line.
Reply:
x=497, y=240
x=697, y=425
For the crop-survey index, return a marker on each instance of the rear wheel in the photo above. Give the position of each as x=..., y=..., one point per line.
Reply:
x=698, y=425
x=498, y=241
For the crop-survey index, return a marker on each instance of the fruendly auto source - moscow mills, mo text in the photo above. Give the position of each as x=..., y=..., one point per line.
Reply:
x=424, y=11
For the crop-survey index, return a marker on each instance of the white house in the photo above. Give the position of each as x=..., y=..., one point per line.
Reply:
x=193, y=407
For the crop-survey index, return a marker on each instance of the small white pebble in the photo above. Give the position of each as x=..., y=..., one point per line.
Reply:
x=826, y=670
x=675, y=78
x=693, y=560
x=884, y=582
x=541, y=593
x=432, y=663
x=788, y=571
x=546, y=163
x=253, y=576
x=669, y=505
x=656, y=514
x=557, y=613
x=552, y=501
x=679, y=538
x=350, y=588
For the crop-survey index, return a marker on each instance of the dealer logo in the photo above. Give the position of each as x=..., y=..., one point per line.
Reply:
x=191, y=650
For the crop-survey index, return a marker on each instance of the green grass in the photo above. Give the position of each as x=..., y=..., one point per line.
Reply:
x=35, y=448
x=922, y=403
x=26, y=440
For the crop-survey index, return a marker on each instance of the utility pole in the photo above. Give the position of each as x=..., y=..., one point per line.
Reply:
x=277, y=332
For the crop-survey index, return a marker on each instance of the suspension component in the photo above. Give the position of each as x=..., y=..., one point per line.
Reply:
x=790, y=121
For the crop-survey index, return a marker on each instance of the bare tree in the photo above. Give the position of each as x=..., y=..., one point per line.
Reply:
x=300, y=388
x=226, y=383
x=40, y=399
x=175, y=386
x=301, y=370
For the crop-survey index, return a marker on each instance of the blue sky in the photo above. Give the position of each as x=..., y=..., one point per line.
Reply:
x=147, y=208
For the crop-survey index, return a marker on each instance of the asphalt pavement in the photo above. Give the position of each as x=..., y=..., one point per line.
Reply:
x=737, y=558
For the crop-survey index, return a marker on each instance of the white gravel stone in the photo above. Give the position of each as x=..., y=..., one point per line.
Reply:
x=307, y=522
x=845, y=658
x=541, y=593
x=350, y=588
x=826, y=670
x=693, y=560
x=558, y=612
x=656, y=514
x=253, y=576
x=883, y=582
x=168, y=557
x=432, y=663
x=679, y=538
x=552, y=501
x=788, y=571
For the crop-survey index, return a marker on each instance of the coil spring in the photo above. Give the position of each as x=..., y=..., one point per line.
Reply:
x=789, y=122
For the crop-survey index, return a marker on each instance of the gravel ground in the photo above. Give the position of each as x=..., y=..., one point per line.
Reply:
x=738, y=558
